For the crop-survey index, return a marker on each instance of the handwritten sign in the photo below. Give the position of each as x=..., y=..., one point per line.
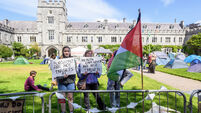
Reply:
x=90, y=64
x=60, y=67
x=9, y=106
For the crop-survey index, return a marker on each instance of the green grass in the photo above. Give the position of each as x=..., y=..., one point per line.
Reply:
x=12, y=78
x=180, y=72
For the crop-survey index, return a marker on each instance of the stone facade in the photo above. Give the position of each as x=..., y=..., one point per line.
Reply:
x=52, y=31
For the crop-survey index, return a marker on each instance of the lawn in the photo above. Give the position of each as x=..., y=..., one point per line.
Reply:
x=12, y=78
x=180, y=72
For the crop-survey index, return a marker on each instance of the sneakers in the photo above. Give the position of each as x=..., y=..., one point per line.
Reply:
x=51, y=88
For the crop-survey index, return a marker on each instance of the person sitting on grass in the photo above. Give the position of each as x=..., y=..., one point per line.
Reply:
x=29, y=83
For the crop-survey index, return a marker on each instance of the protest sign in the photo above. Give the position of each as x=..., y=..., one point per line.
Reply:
x=9, y=106
x=90, y=64
x=60, y=67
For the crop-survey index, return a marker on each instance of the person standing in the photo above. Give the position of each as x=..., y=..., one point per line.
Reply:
x=66, y=82
x=91, y=84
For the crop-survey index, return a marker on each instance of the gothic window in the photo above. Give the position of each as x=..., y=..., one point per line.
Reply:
x=92, y=39
x=32, y=39
x=50, y=20
x=50, y=11
x=147, y=39
x=86, y=25
x=174, y=39
x=51, y=34
x=144, y=26
x=180, y=39
x=154, y=39
x=161, y=39
x=120, y=39
x=84, y=39
x=0, y=38
x=99, y=39
x=69, y=38
x=113, y=39
x=167, y=39
x=19, y=39
x=158, y=26
x=171, y=26
x=142, y=39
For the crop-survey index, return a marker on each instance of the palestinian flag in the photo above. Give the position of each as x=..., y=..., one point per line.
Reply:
x=129, y=53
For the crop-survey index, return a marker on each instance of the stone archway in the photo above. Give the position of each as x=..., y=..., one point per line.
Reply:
x=51, y=51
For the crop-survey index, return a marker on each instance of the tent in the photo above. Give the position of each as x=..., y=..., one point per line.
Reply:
x=102, y=50
x=175, y=64
x=78, y=51
x=161, y=58
x=195, y=66
x=180, y=56
x=45, y=61
x=171, y=55
x=21, y=60
x=190, y=58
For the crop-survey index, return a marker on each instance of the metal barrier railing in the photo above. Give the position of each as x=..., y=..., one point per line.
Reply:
x=165, y=98
x=193, y=94
x=24, y=96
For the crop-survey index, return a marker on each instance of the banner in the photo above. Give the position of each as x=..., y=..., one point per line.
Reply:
x=60, y=67
x=91, y=64
x=9, y=106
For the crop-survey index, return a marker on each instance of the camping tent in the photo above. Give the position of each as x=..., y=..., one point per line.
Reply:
x=171, y=55
x=102, y=50
x=180, y=56
x=161, y=58
x=21, y=60
x=78, y=51
x=45, y=61
x=176, y=63
x=191, y=58
x=195, y=66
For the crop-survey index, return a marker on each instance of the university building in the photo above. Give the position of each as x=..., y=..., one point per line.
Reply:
x=52, y=31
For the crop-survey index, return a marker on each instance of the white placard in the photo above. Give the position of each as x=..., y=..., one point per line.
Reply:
x=90, y=64
x=60, y=67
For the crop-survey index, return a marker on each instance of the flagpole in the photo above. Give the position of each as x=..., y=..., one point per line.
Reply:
x=141, y=63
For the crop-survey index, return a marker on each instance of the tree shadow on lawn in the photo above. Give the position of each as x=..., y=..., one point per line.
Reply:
x=4, y=82
x=6, y=90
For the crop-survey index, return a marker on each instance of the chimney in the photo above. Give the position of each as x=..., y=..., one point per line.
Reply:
x=5, y=22
x=175, y=20
x=50, y=0
x=134, y=22
x=124, y=20
x=182, y=24
x=106, y=21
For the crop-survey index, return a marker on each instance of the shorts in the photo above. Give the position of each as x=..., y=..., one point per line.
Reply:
x=66, y=86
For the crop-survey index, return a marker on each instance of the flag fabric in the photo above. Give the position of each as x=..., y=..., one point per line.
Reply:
x=129, y=53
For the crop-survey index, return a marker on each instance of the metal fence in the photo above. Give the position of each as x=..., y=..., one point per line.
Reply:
x=28, y=100
x=149, y=101
x=195, y=93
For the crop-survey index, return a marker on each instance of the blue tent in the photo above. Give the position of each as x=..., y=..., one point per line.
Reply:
x=45, y=61
x=175, y=64
x=171, y=56
x=195, y=66
x=190, y=58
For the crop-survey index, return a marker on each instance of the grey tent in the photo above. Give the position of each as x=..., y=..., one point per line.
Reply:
x=161, y=58
x=175, y=64
x=180, y=56
x=102, y=50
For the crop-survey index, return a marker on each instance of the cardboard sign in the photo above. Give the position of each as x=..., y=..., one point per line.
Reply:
x=90, y=64
x=9, y=106
x=60, y=67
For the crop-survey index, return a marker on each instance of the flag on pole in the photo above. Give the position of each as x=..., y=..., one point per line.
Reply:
x=129, y=53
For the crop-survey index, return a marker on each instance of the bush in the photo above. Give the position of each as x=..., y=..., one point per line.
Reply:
x=5, y=51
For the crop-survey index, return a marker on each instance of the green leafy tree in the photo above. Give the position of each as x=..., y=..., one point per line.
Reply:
x=194, y=43
x=20, y=50
x=5, y=51
x=35, y=49
x=89, y=46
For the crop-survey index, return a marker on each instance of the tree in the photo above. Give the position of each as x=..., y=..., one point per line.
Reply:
x=5, y=51
x=19, y=50
x=35, y=49
x=194, y=43
x=89, y=46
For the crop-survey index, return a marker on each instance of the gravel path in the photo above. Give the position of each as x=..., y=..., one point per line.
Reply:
x=180, y=83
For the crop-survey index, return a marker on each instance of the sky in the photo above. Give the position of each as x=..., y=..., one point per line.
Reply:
x=156, y=11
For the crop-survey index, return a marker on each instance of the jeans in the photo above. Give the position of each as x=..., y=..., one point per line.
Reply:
x=114, y=97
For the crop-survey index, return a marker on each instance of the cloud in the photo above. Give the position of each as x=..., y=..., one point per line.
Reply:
x=199, y=21
x=89, y=10
x=24, y=7
x=167, y=2
x=79, y=10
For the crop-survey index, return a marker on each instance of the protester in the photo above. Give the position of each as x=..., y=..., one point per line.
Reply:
x=152, y=62
x=29, y=83
x=113, y=85
x=144, y=61
x=66, y=82
x=91, y=84
x=52, y=57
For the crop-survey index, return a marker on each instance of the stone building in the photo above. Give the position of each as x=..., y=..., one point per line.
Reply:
x=52, y=30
